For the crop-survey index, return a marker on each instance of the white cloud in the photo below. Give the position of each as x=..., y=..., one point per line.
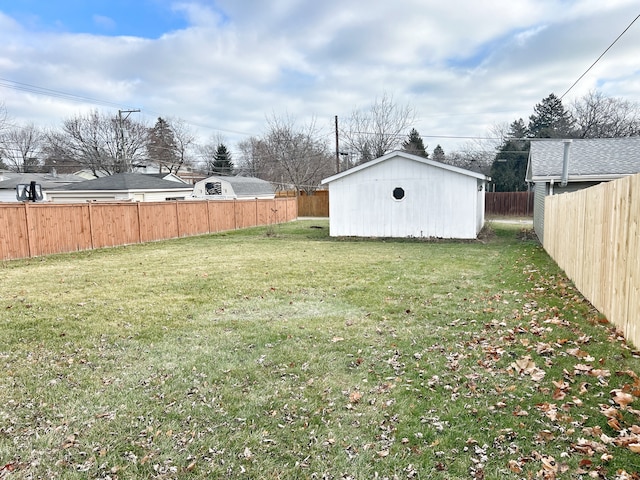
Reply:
x=463, y=65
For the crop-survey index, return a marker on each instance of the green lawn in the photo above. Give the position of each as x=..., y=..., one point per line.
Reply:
x=280, y=353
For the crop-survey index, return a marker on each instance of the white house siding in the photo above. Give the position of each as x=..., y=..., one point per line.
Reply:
x=437, y=203
x=8, y=196
x=164, y=195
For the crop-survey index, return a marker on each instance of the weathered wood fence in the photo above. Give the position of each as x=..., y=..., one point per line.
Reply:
x=594, y=236
x=509, y=203
x=314, y=204
x=496, y=203
x=31, y=230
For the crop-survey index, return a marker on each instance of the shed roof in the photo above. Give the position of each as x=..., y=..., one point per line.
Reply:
x=408, y=156
x=246, y=185
x=589, y=158
x=124, y=182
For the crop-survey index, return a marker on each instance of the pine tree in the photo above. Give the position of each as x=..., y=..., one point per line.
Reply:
x=551, y=120
x=414, y=144
x=509, y=168
x=438, y=154
x=222, y=164
x=162, y=146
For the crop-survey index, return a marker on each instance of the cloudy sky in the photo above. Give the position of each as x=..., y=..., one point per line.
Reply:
x=223, y=66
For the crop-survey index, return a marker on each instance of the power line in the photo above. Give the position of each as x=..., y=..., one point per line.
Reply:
x=598, y=59
x=26, y=87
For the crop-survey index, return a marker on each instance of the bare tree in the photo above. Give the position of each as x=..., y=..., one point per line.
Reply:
x=101, y=143
x=289, y=155
x=22, y=148
x=598, y=116
x=254, y=160
x=185, y=142
x=379, y=130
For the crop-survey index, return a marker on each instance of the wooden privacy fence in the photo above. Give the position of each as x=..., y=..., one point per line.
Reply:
x=315, y=204
x=509, y=203
x=594, y=236
x=496, y=203
x=31, y=230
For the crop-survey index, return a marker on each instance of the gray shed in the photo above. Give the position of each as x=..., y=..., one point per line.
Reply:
x=585, y=162
x=233, y=187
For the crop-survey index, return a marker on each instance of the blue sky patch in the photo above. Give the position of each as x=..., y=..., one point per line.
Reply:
x=141, y=18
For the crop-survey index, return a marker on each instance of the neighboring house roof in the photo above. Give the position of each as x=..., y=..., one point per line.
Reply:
x=167, y=176
x=46, y=180
x=125, y=181
x=590, y=159
x=408, y=156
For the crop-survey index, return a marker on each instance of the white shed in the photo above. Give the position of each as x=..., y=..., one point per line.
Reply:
x=404, y=195
x=233, y=187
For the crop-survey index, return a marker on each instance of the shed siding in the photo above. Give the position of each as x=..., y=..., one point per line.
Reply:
x=437, y=203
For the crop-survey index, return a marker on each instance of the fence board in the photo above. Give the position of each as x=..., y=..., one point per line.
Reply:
x=316, y=204
x=53, y=229
x=114, y=224
x=509, y=203
x=594, y=235
x=14, y=239
x=222, y=215
x=193, y=218
x=41, y=229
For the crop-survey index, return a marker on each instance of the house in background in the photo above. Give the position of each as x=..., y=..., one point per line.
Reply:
x=135, y=187
x=404, y=195
x=47, y=181
x=560, y=165
x=233, y=188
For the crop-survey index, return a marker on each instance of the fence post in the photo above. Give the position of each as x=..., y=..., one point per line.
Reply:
x=139, y=223
x=91, y=234
x=177, y=218
x=28, y=225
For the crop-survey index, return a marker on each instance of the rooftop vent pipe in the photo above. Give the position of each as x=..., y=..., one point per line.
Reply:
x=565, y=163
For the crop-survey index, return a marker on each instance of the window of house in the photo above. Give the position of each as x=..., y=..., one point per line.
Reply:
x=398, y=193
x=213, y=188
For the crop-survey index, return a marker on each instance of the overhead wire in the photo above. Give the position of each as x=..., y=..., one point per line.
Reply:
x=598, y=59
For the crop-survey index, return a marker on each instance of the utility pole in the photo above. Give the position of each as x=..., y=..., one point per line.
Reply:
x=120, y=150
x=337, y=148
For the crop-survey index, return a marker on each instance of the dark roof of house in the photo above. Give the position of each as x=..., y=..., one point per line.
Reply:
x=46, y=180
x=126, y=181
x=172, y=176
x=247, y=185
x=589, y=158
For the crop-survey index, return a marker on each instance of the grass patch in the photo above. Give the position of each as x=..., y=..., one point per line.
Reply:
x=283, y=353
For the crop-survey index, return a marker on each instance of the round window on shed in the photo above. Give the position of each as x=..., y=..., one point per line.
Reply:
x=398, y=193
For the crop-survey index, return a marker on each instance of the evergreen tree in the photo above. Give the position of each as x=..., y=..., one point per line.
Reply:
x=509, y=168
x=438, y=154
x=161, y=146
x=222, y=164
x=414, y=144
x=551, y=120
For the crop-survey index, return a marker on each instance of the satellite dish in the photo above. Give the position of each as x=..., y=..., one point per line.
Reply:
x=31, y=192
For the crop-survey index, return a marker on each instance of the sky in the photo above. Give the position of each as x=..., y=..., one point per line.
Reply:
x=225, y=67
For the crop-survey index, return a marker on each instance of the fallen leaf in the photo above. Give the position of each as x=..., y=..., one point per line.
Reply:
x=514, y=466
x=355, y=397
x=622, y=398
